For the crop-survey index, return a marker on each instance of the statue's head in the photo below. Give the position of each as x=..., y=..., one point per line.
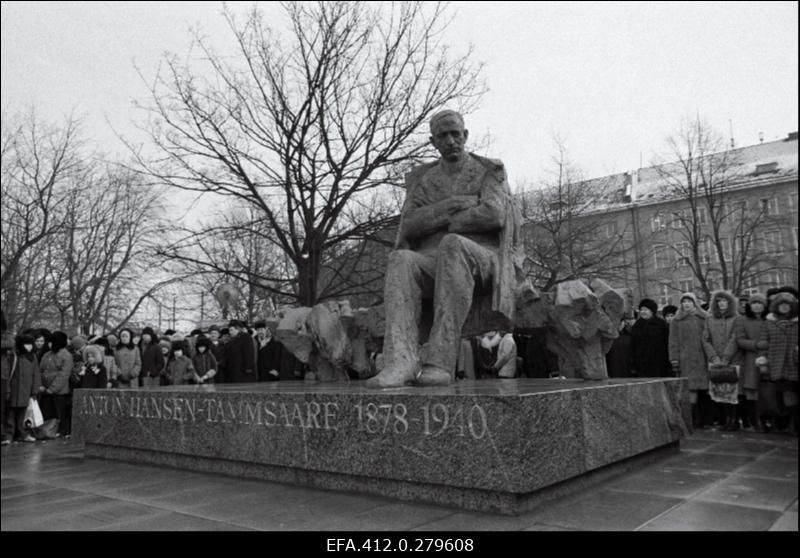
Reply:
x=448, y=135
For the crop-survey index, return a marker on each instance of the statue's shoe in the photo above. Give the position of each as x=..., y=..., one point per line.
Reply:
x=389, y=378
x=433, y=376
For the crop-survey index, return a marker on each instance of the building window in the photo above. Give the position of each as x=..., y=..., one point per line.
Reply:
x=703, y=251
x=793, y=201
x=701, y=216
x=794, y=238
x=772, y=279
x=773, y=244
x=726, y=250
x=664, y=297
x=686, y=285
x=749, y=285
x=684, y=252
x=658, y=223
x=769, y=206
x=662, y=255
x=611, y=229
x=677, y=219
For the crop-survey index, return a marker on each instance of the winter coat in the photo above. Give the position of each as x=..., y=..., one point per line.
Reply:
x=649, y=344
x=7, y=363
x=180, y=370
x=719, y=340
x=686, y=346
x=152, y=360
x=269, y=358
x=25, y=380
x=619, y=358
x=95, y=377
x=240, y=366
x=219, y=352
x=129, y=362
x=203, y=363
x=782, y=339
x=749, y=331
x=56, y=369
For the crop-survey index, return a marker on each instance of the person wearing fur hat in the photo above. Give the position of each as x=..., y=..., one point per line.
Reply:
x=782, y=352
x=57, y=366
x=152, y=359
x=751, y=341
x=687, y=356
x=180, y=369
x=24, y=384
x=129, y=361
x=668, y=312
x=719, y=344
x=7, y=362
x=93, y=373
x=649, y=342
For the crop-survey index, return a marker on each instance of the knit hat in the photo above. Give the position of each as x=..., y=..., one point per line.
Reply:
x=260, y=325
x=758, y=297
x=213, y=328
x=650, y=304
x=690, y=296
x=78, y=342
x=196, y=332
x=149, y=331
x=165, y=342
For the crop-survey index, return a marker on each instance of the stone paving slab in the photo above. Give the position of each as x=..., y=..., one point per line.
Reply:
x=719, y=481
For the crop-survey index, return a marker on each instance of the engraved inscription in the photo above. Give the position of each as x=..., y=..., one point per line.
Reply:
x=369, y=417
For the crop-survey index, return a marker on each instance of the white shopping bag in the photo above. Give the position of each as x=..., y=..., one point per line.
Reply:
x=33, y=415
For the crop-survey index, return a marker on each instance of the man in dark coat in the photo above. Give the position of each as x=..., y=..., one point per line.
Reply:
x=650, y=342
x=240, y=355
x=268, y=354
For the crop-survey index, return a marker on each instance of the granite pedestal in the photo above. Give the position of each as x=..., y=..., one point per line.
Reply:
x=502, y=445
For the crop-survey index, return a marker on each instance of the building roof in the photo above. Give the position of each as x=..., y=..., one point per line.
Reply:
x=754, y=165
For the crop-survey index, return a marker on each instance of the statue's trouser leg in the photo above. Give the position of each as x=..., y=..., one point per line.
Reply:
x=459, y=264
x=409, y=277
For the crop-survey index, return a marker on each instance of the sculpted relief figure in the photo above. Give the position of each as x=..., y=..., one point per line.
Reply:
x=459, y=234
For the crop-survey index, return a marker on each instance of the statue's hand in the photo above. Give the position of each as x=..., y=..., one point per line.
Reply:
x=455, y=204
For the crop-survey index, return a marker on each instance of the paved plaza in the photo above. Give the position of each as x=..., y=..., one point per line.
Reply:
x=739, y=481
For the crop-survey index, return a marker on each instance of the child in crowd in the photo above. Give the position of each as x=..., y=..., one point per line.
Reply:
x=205, y=364
x=180, y=369
x=93, y=372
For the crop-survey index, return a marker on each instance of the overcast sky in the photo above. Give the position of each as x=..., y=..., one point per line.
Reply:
x=612, y=78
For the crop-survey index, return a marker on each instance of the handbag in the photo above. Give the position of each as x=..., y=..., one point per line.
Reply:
x=33, y=415
x=723, y=373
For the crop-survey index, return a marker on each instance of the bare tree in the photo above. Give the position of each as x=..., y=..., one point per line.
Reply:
x=720, y=235
x=566, y=235
x=107, y=245
x=40, y=165
x=307, y=127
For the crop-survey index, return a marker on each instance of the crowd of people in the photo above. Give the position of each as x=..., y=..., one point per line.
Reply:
x=740, y=356
x=46, y=366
